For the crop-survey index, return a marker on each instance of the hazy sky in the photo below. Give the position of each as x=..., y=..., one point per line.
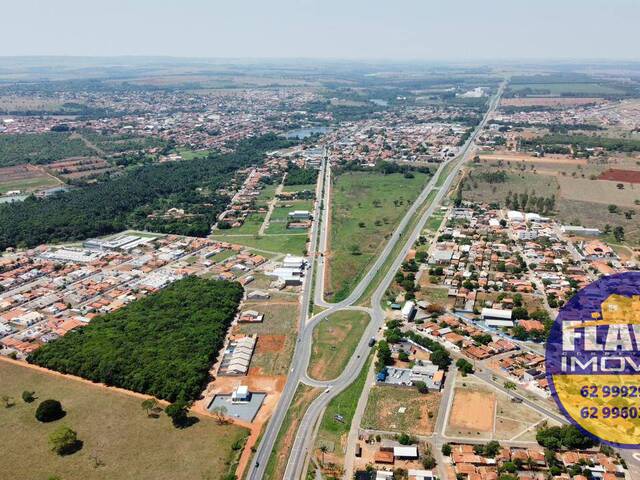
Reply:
x=372, y=29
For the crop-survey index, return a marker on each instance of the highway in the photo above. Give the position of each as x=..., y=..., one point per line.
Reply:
x=318, y=246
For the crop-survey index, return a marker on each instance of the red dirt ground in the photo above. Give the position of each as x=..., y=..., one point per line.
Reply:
x=615, y=175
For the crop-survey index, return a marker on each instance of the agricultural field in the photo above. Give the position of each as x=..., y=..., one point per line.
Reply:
x=334, y=341
x=402, y=410
x=366, y=208
x=119, y=440
x=560, y=102
x=26, y=178
x=82, y=167
x=276, y=334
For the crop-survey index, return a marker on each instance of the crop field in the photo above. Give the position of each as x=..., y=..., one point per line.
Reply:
x=334, y=341
x=81, y=167
x=402, y=410
x=120, y=441
x=366, y=208
x=26, y=178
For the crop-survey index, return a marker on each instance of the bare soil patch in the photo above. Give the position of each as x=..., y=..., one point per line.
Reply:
x=473, y=410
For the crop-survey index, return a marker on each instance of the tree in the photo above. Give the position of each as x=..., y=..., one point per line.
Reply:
x=464, y=366
x=28, y=396
x=49, y=411
x=405, y=439
x=446, y=449
x=323, y=450
x=149, y=405
x=177, y=411
x=618, y=233
x=384, y=356
x=422, y=387
x=221, y=414
x=64, y=441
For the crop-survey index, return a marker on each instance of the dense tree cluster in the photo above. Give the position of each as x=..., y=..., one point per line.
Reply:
x=162, y=345
x=300, y=176
x=567, y=436
x=126, y=201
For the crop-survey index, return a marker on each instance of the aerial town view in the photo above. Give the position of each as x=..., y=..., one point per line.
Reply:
x=374, y=241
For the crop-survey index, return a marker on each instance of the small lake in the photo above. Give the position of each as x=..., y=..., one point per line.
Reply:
x=303, y=133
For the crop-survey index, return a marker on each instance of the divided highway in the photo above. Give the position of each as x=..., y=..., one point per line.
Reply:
x=319, y=242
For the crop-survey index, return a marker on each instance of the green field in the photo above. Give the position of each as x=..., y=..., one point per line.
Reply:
x=366, y=208
x=267, y=193
x=395, y=251
x=290, y=243
x=332, y=431
x=119, y=441
x=280, y=215
x=188, y=154
x=334, y=340
x=251, y=225
x=29, y=184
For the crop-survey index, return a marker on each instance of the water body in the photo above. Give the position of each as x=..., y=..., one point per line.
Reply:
x=379, y=102
x=303, y=133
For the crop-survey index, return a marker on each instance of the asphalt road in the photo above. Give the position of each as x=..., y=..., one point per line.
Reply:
x=319, y=235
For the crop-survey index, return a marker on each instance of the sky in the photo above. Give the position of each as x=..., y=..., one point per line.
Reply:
x=328, y=29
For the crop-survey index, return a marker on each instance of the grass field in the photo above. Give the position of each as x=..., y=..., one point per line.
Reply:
x=383, y=410
x=251, y=225
x=332, y=432
x=115, y=431
x=188, y=154
x=366, y=208
x=334, y=340
x=280, y=454
x=276, y=334
x=290, y=243
x=395, y=251
x=267, y=193
x=29, y=184
x=280, y=216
